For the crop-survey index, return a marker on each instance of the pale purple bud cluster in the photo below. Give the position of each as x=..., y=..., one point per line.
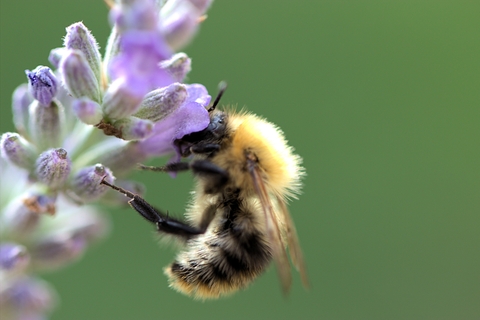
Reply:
x=68, y=122
x=32, y=240
x=42, y=84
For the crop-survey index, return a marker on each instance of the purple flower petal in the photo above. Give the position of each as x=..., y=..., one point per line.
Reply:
x=198, y=94
x=138, y=61
x=190, y=117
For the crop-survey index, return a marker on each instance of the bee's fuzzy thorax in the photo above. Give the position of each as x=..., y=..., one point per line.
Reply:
x=281, y=167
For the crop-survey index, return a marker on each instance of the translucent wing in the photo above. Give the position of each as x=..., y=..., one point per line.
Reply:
x=294, y=249
x=273, y=229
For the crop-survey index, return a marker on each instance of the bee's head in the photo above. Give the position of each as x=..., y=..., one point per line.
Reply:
x=212, y=134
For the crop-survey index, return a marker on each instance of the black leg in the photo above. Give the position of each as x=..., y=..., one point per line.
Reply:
x=205, y=148
x=217, y=177
x=171, y=167
x=162, y=221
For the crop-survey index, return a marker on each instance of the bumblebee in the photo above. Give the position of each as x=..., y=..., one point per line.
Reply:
x=238, y=221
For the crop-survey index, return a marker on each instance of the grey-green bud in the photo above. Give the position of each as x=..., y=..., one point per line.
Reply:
x=79, y=37
x=86, y=182
x=78, y=76
x=46, y=124
x=18, y=150
x=53, y=167
x=160, y=103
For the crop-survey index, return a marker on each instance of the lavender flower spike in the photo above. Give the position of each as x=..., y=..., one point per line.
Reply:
x=86, y=182
x=79, y=37
x=78, y=76
x=53, y=167
x=18, y=150
x=42, y=84
x=160, y=103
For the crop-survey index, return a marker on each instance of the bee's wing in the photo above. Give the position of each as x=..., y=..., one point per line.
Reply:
x=294, y=249
x=273, y=230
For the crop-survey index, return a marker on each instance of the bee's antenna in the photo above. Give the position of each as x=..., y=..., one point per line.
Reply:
x=222, y=86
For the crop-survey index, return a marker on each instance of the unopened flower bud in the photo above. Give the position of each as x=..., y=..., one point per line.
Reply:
x=21, y=99
x=18, y=150
x=57, y=250
x=56, y=55
x=133, y=128
x=42, y=84
x=14, y=258
x=179, y=22
x=160, y=103
x=46, y=124
x=78, y=76
x=112, y=49
x=86, y=182
x=53, y=167
x=79, y=37
x=119, y=101
x=179, y=65
x=87, y=111
x=26, y=298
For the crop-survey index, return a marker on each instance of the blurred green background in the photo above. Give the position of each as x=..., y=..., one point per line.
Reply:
x=381, y=98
